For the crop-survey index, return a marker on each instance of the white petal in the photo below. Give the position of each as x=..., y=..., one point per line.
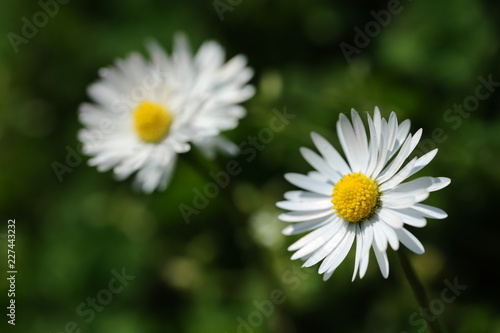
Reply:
x=301, y=227
x=422, y=162
x=210, y=56
x=377, y=122
x=328, y=247
x=234, y=65
x=373, y=148
x=430, y=211
x=154, y=175
x=359, y=246
x=327, y=275
x=439, y=183
x=363, y=266
x=320, y=164
x=360, y=132
x=422, y=183
x=308, y=183
x=399, y=177
x=330, y=154
x=158, y=57
x=405, y=152
x=350, y=143
x=382, y=152
x=209, y=146
x=403, y=130
x=382, y=261
x=379, y=237
x=400, y=202
x=103, y=94
x=320, y=177
x=392, y=126
x=299, y=216
x=429, y=184
x=305, y=205
x=410, y=241
x=167, y=174
x=335, y=258
x=391, y=236
x=181, y=56
x=132, y=164
x=310, y=248
x=367, y=233
x=415, y=138
x=411, y=219
x=391, y=219
x=312, y=236
x=106, y=159
x=305, y=196
x=398, y=161
x=314, y=240
x=395, y=198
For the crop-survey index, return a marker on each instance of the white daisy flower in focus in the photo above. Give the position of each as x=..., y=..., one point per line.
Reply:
x=362, y=198
x=146, y=112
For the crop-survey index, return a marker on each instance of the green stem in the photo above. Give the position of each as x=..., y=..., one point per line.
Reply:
x=418, y=289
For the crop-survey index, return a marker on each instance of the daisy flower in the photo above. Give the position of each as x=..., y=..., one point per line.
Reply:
x=145, y=112
x=360, y=198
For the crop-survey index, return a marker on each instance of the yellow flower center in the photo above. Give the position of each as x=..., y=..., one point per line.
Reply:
x=355, y=197
x=152, y=121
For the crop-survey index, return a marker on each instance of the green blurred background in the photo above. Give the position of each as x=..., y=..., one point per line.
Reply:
x=215, y=273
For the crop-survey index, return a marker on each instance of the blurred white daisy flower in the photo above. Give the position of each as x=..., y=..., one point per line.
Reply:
x=146, y=112
x=363, y=198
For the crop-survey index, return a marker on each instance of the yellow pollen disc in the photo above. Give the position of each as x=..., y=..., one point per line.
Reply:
x=152, y=121
x=355, y=197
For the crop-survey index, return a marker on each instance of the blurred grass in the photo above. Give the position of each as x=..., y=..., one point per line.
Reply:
x=202, y=276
